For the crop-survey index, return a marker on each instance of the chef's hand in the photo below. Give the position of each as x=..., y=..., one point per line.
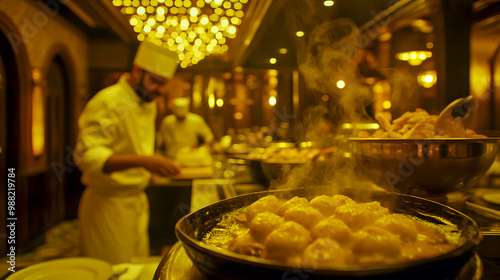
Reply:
x=161, y=165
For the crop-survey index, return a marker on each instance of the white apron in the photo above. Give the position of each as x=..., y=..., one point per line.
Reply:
x=114, y=228
x=114, y=210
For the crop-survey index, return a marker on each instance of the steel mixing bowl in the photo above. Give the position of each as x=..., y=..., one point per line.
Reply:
x=424, y=166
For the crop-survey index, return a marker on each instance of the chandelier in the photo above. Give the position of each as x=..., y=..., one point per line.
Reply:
x=192, y=28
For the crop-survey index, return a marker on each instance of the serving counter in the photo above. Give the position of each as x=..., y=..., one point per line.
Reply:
x=194, y=187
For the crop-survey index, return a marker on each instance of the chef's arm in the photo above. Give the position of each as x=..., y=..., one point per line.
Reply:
x=155, y=164
x=207, y=135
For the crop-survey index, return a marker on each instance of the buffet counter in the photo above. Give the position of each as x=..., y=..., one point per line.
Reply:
x=194, y=187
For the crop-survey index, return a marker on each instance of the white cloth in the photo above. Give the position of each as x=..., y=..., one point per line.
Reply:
x=181, y=134
x=114, y=210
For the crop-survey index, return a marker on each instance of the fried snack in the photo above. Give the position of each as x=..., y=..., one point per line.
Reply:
x=325, y=253
x=359, y=215
x=331, y=232
x=292, y=202
x=332, y=228
x=287, y=241
x=327, y=204
x=268, y=203
x=414, y=125
x=263, y=224
x=307, y=216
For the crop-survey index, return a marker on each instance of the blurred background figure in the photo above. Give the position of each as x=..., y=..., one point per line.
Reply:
x=115, y=149
x=186, y=136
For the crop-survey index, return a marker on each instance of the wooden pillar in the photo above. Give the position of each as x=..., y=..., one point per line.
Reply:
x=452, y=20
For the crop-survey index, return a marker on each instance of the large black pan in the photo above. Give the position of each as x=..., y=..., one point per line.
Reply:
x=227, y=265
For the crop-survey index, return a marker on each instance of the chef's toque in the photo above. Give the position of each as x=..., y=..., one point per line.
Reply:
x=181, y=106
x=156, y=59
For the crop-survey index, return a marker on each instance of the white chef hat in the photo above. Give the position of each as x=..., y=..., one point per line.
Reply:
x=156, y=59
x=181, y=106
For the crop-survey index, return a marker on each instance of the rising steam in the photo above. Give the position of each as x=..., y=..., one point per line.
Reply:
x=328, y=58
x=326, y=55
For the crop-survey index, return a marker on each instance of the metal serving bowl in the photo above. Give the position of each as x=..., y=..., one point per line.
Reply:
x=222, y=264
x=274, y=169
x=264, y=167
x=311, y=162
x=424, y=166
x=264, y=171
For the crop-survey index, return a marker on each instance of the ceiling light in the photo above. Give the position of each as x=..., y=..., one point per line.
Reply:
x=193, y=28
x=193, y=12
x=272, y=60
x=299, y=33
x=328, y=3
x=414, y=58
x=283, y=51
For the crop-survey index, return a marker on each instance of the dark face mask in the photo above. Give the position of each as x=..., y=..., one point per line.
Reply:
x=140, y=90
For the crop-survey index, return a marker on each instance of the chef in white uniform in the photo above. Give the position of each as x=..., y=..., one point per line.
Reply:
x=115, y=152
x=182, y=130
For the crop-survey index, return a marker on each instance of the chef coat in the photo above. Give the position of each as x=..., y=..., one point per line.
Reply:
x=114, y=210
x=179, y=134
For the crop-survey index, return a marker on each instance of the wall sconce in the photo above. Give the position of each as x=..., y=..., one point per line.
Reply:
x=197, y=95
x=238, y=116
x=211, y=92
x=211, y=101
x=37, y=116
x=273, y=83
x=427, y=79
x=272, y=101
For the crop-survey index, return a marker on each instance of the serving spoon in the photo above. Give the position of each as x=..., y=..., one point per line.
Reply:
x=452, y=120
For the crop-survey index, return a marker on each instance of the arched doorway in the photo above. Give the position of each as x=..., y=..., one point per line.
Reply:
x=57, y=123
x=3, y=141
x=14, y=85
x=63, y=181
